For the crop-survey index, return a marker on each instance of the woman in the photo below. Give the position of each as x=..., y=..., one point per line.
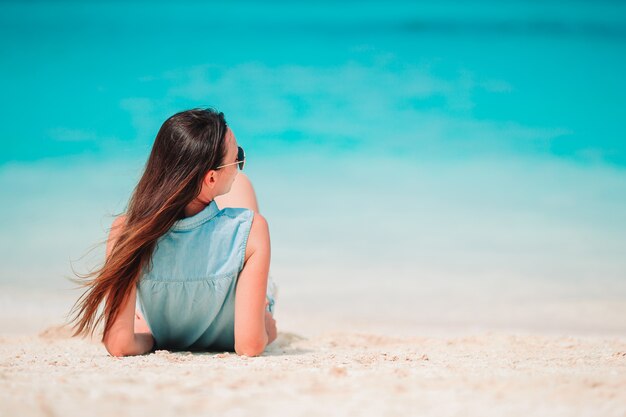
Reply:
x=199, y=274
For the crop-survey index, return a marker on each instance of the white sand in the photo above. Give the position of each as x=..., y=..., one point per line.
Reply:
x=367, y=353
x=336, y=373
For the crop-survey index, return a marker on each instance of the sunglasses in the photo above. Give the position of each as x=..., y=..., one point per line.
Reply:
x=241, y=159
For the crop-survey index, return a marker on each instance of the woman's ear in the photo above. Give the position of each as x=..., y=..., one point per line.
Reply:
x=210, y=179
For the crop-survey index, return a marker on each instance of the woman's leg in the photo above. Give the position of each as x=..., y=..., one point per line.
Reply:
x=241, y=195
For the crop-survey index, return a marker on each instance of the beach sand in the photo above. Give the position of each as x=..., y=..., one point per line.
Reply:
x=307, y=372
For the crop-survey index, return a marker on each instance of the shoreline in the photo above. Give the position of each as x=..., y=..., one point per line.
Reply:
x=302, y=309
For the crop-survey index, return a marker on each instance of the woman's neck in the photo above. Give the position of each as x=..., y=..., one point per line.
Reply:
x=195, y=207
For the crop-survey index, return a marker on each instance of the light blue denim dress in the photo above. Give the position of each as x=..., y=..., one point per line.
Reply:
x=187, y=293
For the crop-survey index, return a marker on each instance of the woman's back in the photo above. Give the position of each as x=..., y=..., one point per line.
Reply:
x=187, y=292
x=202, y=281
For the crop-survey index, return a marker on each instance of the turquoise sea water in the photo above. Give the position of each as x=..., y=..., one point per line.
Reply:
x=449, y=142
x=448, y=78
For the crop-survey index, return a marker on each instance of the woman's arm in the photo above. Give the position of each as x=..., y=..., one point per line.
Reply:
x=250, y=322
x=121, y=339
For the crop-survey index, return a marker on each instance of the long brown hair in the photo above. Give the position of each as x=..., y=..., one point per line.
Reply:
x=188, y=145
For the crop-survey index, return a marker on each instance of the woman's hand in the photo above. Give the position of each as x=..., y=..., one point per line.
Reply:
x=270, y=327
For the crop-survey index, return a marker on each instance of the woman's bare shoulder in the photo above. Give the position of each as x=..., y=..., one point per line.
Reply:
x=118, y=221
x=259, y=237
x=114, y=234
